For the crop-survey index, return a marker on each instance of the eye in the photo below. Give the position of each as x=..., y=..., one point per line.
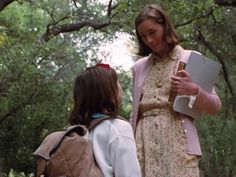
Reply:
x=152, y=32
x=141, y=36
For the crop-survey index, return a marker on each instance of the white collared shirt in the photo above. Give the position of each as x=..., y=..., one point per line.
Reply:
x=115, y=149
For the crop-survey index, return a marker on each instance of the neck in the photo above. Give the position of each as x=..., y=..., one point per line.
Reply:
x=164, y=51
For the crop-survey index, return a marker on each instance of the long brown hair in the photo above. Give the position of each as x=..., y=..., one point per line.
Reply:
x=158, y=14
x=95, y=91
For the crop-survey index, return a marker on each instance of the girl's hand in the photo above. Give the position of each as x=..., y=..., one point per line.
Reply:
x=182, y=84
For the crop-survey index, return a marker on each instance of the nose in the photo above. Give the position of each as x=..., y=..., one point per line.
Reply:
x=149, y=39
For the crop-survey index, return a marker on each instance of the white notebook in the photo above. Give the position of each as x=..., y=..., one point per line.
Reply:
x=204, y=72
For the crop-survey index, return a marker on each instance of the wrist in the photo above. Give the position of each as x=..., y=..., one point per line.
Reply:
x=193, y=97
x=196, y=89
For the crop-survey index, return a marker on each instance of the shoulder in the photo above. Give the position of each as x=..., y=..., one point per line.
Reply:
x=183, y=50
x=185, y=53
x=188, y=53
x=116, y=127
x=140, y=62
x=194, y=51
x=142, y=65
x=120, y=127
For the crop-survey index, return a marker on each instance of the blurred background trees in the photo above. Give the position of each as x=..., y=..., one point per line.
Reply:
x=45, y=44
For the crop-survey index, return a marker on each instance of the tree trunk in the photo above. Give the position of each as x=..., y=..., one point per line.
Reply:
x=5, y=3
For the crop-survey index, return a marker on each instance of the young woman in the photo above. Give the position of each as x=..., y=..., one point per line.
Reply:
x=167, y=141
x=97, y=93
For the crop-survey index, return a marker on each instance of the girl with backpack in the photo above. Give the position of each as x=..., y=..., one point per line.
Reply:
x=97, y=94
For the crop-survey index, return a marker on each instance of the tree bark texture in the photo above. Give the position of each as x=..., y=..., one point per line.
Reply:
x=5, y=3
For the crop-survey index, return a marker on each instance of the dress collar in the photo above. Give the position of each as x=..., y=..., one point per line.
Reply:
x=174, y=54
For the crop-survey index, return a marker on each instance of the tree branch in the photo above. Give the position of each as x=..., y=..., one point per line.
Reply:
x=26, y=100
x=15, y=109
x=226, y=3
x=209, y=13
x=10, y=113
x=109, y=8
x=5, y=3
x=4, y=85
x=55, y=30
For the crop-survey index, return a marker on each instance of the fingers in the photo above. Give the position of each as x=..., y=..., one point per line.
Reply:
x=174, y=85
x=174, y=82
x=175, y=78
x=182, y=73
x=182, y=76
x=177, y=89
x=177, y=85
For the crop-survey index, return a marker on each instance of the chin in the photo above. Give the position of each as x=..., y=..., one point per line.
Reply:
x=155, y=50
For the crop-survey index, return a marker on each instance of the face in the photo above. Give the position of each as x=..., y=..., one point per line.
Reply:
x=152, y=35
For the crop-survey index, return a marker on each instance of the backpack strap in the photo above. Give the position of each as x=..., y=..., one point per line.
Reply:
x=53, y=140
x=42, y=168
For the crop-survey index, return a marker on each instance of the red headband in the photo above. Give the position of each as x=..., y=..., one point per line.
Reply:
x=107, y=66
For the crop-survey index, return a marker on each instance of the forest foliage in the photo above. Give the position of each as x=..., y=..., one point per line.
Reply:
x=45, y=44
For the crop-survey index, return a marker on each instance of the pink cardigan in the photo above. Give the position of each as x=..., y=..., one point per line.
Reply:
x=208, y=102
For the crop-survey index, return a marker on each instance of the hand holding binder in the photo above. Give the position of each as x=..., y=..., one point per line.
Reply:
x=204, y=72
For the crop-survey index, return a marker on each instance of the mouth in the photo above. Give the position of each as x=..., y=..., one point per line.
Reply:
x=153, y=47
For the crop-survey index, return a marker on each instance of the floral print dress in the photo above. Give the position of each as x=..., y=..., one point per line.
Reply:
x=160, y=138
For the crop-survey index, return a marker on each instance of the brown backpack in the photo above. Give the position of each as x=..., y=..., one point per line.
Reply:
x=68, y=153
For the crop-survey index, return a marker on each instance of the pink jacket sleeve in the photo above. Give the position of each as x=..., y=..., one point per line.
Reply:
x=208, y=102
x=132, y=111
